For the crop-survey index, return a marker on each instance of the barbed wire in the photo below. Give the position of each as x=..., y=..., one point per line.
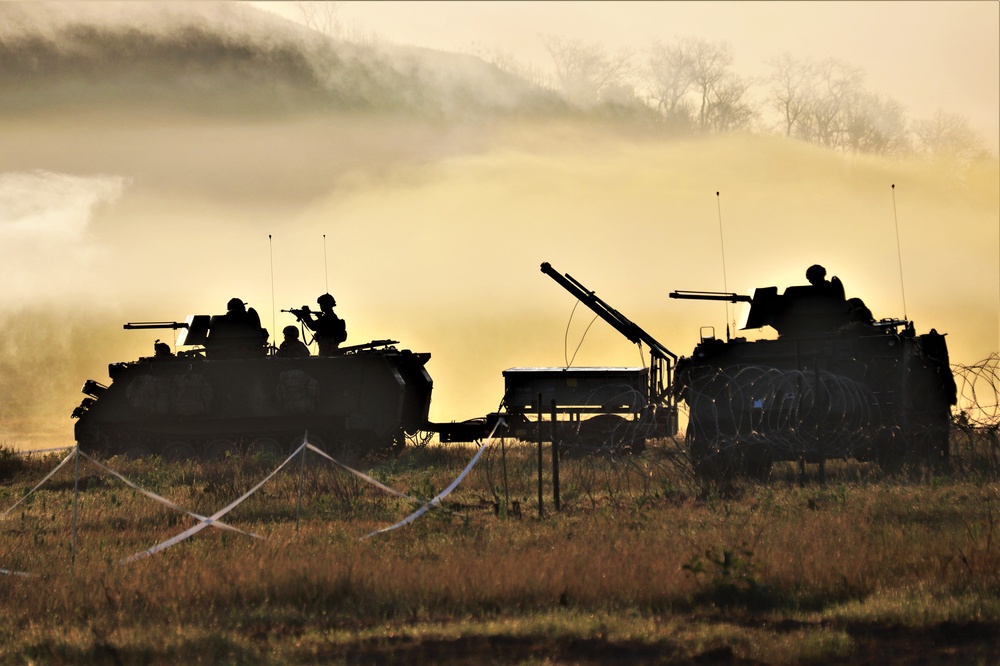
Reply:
x=978, y=393
x=789, y=411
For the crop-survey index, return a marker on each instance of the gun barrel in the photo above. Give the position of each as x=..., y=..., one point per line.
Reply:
x=139, y=325
x=712, y=296
x=368, y=345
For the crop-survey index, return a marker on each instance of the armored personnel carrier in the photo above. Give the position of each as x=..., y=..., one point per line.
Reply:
x=835, y=383
x=229, y=392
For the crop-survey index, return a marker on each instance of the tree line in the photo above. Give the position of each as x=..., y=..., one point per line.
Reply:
x=689, y=86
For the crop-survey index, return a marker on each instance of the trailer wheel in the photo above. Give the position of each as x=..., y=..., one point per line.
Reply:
x=607, y=433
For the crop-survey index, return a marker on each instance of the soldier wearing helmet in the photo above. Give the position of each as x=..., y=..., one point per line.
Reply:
x=833, y=288
x=292, y=347
x=329, y=329
x=236, y=334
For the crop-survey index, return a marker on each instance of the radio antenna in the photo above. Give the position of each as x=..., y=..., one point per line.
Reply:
x=899, y=252
x=326, y=269
x=270, y=251
x=725, y=281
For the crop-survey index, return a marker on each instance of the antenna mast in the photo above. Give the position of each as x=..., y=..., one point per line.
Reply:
x=326, y=270
x=270, y=252
x=899, y=252
x=722, y=242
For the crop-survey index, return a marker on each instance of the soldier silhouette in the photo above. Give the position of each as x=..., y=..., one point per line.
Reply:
x=832, y=288
x=236, y=334
x=291, y=346
x=330, y=330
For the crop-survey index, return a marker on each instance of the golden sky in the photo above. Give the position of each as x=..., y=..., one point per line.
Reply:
x=435, y=231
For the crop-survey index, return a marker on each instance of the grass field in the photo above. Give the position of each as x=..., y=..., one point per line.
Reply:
x=642, y=564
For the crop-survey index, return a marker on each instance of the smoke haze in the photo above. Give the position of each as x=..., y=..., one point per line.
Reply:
x=438, y=197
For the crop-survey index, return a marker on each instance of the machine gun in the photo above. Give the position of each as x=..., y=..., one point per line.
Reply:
x=712, y=296
x=368, y=345
x=139, y=325
x=195, y=328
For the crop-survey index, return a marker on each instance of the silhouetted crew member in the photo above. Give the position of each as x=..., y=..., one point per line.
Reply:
x=330, y=329
x=291, y=346
x=236, y=334
x=833, y=288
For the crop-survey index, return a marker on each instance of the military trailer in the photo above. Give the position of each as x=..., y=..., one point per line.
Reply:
x=594, y=409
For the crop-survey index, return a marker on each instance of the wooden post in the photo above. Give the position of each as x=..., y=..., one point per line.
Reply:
x=503, y=459
x=819, y=428
x=538, y=425
x=555, y=458
x=76, y=499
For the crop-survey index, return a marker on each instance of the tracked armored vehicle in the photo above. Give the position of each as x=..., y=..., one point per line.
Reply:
x=236, y=395
x=835, y=384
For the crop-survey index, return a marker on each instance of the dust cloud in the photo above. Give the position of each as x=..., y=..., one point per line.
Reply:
x=430, y=228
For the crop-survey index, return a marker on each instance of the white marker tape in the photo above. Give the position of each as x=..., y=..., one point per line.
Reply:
x=25, y=574
x=444, y=493
x=40, y=483
x=214, y=517
x=165, y=501
x=374, y=482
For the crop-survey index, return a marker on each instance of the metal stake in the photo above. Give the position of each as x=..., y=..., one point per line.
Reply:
x=541, y=510
x=555, y=458
x=76, y=497
x=302, y=473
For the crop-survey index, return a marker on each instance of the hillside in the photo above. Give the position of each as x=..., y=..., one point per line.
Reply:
x=228, y=58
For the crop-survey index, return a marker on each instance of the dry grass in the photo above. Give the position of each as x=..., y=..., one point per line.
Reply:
x=642, y=564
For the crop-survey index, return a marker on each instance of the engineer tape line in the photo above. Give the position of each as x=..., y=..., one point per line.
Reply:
x=444, y=493
x=40, y=483
x=214, y=517
x=165, y=501
x=24, y=574
x=374, y=482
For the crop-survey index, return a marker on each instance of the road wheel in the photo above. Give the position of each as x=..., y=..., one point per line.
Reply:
x=178, y=450
x=266, y=447
x=136, y=452
x=221, y=449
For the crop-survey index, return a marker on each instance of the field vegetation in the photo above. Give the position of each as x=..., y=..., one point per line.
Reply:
x=641, y=564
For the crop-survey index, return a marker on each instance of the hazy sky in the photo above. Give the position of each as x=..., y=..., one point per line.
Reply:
x=926, y=55
x=432, y=233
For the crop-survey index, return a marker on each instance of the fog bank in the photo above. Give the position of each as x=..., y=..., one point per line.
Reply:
x=435, y=226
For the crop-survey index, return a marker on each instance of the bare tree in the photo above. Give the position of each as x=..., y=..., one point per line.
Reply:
x=792, y=84
x=670, y=75
x=875, y=124
x=838, y=88
x=320, y=16
x=709, y=66
x=507, y=63
x=728, y=108
x=587, y=75
x=948, y=137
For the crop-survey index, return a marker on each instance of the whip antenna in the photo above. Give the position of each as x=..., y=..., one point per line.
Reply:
x=899, y=252
x=722, y=242
x=326, y=270
x=270, y=251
